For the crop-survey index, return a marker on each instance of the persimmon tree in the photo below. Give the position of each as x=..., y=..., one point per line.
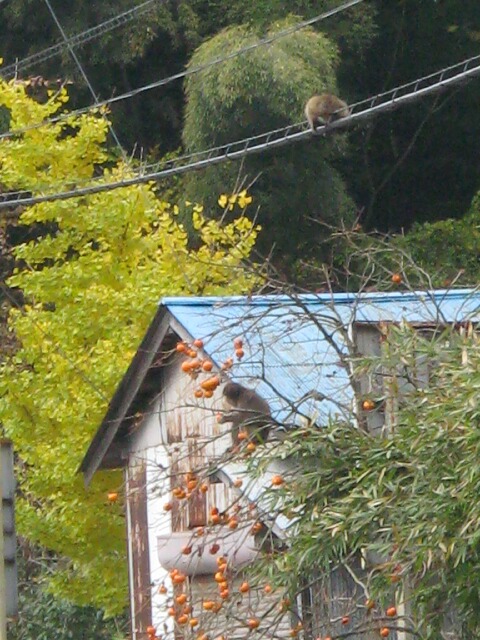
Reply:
x=90, y=281
x=393, y=511
x=406, y=504
x=447, y=249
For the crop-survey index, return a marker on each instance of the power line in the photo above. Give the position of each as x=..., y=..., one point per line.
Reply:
x=437, y=77
x=82, y=71
x=167, y=164
x=188, y=72
x=387, y=101
x=10, y=70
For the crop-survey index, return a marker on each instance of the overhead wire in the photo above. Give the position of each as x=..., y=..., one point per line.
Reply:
x=374, y=107
x=187, y=72
x=10, y=70
x=291, y=134
x=82, y=72
x=263, y=41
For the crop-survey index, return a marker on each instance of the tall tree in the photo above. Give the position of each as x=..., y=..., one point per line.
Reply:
x=257, y=92
x=154, y=44
x=151, y=45
x=90, y=279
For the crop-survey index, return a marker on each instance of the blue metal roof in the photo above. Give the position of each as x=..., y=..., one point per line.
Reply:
x=293, y=344
x=293, y=347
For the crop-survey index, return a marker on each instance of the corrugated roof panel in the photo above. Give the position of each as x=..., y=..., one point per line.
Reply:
x=293, y=345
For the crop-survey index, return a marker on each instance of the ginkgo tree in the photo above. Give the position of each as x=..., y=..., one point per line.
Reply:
x=91, y=279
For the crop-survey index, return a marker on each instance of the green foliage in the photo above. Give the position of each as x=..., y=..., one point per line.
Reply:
x=448, y=249
x=352, y=30
x=432, y=255
x=400, y=177
x=42, y=616
x=136, y=53
x=151, y=46
x=91, y=281
x=410, y=499
x=267, y=86
x=251, y=94
x=396, y=178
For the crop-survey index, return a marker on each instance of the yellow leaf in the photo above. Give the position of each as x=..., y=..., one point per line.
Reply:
x=90, y=289
x=243, y=199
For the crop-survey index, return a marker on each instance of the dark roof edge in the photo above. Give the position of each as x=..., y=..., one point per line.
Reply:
x=125, y=394
x=322, y=298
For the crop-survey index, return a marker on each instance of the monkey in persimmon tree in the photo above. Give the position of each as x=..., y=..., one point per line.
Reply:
x=250, y=412
x=324, y=109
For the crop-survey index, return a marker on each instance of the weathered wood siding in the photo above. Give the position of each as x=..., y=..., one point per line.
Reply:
x=193, y=439
x=138, y=549
x=337, y=595
x=146, y=449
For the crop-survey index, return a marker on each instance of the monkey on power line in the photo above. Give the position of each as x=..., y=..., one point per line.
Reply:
x=324, y=109
x=249, y=411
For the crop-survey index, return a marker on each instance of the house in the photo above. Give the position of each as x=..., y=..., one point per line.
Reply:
x=161, y=428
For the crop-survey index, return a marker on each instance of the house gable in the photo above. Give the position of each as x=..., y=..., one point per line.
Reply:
x=293, y=351
x=157, y=427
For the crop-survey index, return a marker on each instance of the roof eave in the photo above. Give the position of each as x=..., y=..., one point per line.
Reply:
x=101, y=448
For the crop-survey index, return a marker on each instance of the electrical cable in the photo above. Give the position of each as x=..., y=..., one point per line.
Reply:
x=188, y=72
x=82, y=72
x=387, y=101
x=11, y=70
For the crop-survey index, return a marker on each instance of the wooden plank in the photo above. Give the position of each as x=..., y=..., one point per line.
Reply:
x=139, y=549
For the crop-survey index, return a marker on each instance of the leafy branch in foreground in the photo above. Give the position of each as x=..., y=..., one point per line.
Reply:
x=405, y=506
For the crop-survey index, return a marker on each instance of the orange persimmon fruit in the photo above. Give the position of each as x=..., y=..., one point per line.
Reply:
x=244, y=587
